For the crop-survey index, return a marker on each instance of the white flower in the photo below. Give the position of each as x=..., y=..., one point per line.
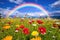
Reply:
x=57, y=22
x=16, y=30
x=54, y=36
x=34, y=24
x=52, y=27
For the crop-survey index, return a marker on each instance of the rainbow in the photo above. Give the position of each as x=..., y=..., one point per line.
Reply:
x=27, y=4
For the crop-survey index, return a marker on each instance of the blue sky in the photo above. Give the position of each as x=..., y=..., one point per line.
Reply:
x=52, y=6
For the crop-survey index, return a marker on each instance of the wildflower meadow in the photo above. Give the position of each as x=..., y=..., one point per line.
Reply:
x=29, y=29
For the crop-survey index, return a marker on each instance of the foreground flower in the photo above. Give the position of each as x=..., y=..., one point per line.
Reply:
x=42, y=30
x=26, y=31
x=34, y=33
x=39, y=21
x=22, y=26
x=6, y=27
x=36, y=38
x=7, y=38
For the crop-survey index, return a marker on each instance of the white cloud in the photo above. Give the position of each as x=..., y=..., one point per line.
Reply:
x=16, y=1
x=4, y=11
x=29, y=14
x=54, y=13
x=36, y=14
x=56, y=4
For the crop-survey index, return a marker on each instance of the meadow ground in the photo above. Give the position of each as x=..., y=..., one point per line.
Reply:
x=29, y=29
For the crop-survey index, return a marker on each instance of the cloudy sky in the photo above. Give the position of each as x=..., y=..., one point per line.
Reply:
x=52, y=6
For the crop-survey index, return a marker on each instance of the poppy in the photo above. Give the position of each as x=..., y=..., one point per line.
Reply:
x=17, y=28
x=42, y=30
x=22, y=26
x=26, y=31
x=39, y=21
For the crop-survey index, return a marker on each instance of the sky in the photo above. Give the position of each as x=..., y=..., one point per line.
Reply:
x=52, y=6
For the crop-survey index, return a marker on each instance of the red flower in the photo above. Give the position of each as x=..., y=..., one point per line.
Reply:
x=39, y=21
x=42, y=30
x=9, y=22
x=55, y=25
x=26, y=31
x=32, y=20
x=17, y=28
x=22, y=26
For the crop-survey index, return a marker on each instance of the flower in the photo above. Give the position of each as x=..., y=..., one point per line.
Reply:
x=53, y=36
x=26, y=31
x=32, y=39
x=55, y=25
x=22, y=26
x=7, y=38
x=6, y=27
x=17, y=28
x=17, y=25
x=34, y=24
x=34, y=33
x=39, y=21
x=9, y=23
x=30, y=22
x=42, y=30
x=36, y=38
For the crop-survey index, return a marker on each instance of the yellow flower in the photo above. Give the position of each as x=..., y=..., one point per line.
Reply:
x=17, y=25
x=7, y=38
x=36, y=38
x=32, y=39
x=34, y=33
x=6, y=27
x=11, y=20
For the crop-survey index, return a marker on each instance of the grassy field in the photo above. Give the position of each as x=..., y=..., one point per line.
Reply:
x=29, y=29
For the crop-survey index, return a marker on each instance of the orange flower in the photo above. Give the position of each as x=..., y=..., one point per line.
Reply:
x=6, y=27
x=36, y=38
x=7, y=38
